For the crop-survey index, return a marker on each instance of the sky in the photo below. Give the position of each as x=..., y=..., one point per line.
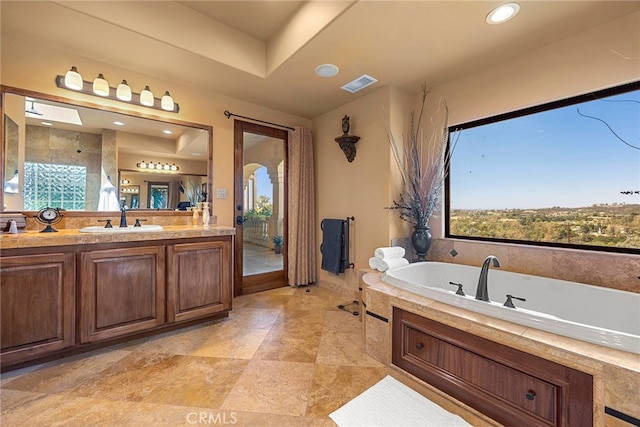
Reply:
x=263, y=183
x=553, y=158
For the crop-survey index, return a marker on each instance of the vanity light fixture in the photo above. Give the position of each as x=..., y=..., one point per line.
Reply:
x=123, y=92
x=100, y=86
x=158, y=166
x=73, y=79
x=502, y=13
x=146, y=97
x=166, y=103
x=125, y=181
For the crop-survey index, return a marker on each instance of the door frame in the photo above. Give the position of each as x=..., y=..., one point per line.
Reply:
x=274, y=279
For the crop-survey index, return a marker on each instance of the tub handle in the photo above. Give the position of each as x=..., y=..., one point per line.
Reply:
x=509, y=303
x=530, y=395
x=459, y=291
x=419, y=345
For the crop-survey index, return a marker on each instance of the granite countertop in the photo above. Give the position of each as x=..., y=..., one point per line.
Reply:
x=30, y=239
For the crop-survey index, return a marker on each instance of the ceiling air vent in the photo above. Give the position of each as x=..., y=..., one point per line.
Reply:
x=359, y=83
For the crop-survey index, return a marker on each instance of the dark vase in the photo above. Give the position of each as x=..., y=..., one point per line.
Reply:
x=421, y=240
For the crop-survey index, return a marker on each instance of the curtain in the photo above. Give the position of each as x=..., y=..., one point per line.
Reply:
x=301, y=209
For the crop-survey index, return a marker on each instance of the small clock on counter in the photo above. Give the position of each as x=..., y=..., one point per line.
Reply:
x=49, y=216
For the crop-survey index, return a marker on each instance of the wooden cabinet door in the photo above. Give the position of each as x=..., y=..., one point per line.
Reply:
x=199, y=279
x=37, y=305
x=122, y=291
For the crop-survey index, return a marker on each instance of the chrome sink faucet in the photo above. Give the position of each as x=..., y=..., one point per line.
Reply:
x=482, y=292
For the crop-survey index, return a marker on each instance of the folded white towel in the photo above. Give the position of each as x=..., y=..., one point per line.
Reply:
x=391, y=263
x=390, y=252
x=374, y=263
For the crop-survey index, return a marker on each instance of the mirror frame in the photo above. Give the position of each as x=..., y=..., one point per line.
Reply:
x=132, y=113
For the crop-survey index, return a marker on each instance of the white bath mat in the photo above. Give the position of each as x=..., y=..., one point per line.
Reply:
x=389, y=403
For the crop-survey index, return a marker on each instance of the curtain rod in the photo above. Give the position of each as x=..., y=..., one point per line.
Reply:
x=229, y=114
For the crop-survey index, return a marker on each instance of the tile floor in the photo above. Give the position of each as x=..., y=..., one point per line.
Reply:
x=283, y=358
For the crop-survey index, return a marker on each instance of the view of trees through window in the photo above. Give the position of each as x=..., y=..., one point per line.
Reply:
x=566, y=173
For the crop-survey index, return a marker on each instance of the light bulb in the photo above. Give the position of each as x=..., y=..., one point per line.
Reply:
x=101, y=86
x=174, y=167
x=167, y=102
x=142, y=165
x=73, y=79
x=151, y=165
x=166, y=167
x=123, y=93
x=146, y=97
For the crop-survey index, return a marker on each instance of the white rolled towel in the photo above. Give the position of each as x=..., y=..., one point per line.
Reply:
x=389, y=252
x=391, y=263
x=374, y=263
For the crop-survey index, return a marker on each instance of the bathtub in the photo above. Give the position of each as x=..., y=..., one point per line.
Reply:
x=603, y=316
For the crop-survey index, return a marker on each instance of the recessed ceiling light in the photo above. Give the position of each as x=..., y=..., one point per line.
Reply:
x=359, y=83
x=503, y=13
x=326, y=70
x=167, y=131
x=118, y=123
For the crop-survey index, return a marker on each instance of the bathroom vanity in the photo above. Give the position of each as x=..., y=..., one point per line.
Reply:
x=74, y=292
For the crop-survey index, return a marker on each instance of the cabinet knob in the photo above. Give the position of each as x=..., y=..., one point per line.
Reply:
x=419, y=345
x=530, y=395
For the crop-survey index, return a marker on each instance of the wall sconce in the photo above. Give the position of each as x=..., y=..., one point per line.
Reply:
x=158, y=166
x=100, y=86
x=347, y=142
x=11, y=186
x=125, y=181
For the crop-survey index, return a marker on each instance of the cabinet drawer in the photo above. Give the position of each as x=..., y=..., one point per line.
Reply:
x=510, y=386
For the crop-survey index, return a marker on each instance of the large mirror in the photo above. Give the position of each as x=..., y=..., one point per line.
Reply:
x=58, y=153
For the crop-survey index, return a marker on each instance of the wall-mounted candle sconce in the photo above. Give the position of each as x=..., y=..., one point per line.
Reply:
x=159, y=167
x=100, y=86
x=347, y=142
x=11, y=186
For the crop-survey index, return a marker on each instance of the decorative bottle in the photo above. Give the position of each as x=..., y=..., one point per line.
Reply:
x=195, y=219
x=206, y=216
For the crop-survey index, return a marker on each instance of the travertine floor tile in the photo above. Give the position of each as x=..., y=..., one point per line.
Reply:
x=272, y=387
x=333, y=386
x=289, y=345
x=67, y=374
x=232, y=342
x=346, y=349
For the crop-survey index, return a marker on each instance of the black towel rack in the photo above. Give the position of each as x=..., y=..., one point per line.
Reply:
x=345, y=260
x=344, y=243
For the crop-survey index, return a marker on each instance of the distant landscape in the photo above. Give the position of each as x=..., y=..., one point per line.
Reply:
x=614, y=225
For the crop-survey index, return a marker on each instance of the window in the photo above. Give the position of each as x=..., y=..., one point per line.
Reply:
x=60, y=186
x=561, y=174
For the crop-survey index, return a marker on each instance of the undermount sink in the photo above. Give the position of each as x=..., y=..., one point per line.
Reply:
x=130, y=229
